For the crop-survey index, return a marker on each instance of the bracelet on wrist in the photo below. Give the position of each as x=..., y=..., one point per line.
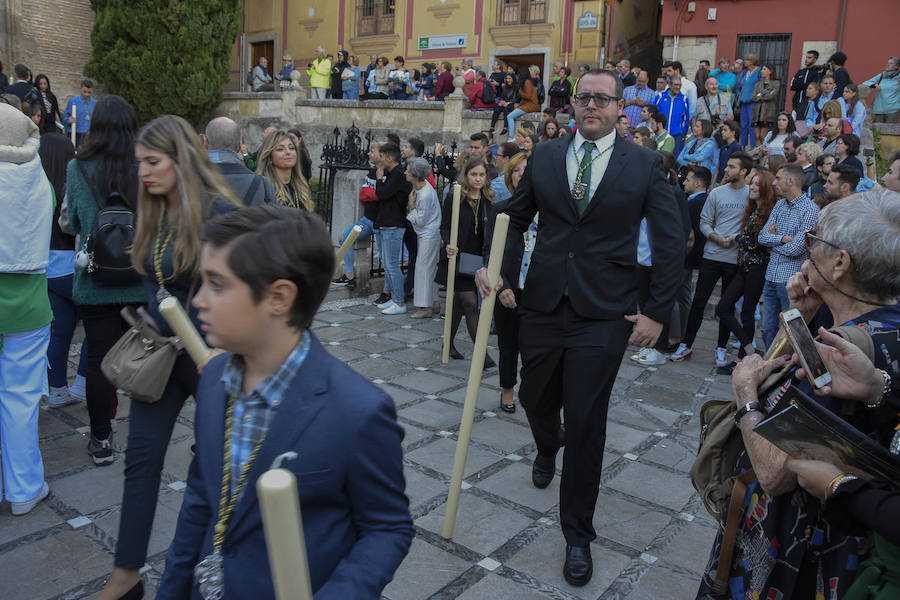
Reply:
x=878, y=397
x=744, y=410
x=837, y=482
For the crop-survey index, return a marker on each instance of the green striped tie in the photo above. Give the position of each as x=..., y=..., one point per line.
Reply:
x=584, y=177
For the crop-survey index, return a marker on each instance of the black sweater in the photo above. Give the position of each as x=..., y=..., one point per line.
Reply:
x=393, y=195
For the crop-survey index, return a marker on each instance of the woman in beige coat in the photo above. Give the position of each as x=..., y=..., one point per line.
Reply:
x=765, y=95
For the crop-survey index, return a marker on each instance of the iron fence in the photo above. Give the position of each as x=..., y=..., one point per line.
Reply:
x=350, y=150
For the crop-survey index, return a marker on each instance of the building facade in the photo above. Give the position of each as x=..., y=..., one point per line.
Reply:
x=781, y=32
x=53, y=38
x=522, y=32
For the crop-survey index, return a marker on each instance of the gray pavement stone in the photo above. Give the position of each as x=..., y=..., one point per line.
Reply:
x=660, y=396
x=543, y=559
x=627, y=522
x=427, y=382
x=27, y=573
x=92, y=490
x=493, y=587
x=659, y=582
x=164, y=523
x=671, y=454
x=691, y=550
x=480, y=525
x=377, y=368
x=420, y=488
x=64, y=454
x=433, y=413
x=377, y=345
x=501, y=434
x=425, y=571
x=345, y=353
x=621, y=438
x=514, y=483
x=49, y=424
x=400, y=396
x=42, y=517
x=654, y=485
x=413, y=434
x=438, y=455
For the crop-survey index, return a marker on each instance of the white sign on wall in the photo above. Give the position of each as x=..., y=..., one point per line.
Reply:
x=441, y=42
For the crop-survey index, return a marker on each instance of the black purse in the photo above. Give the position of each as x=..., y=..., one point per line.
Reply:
x=467, y=264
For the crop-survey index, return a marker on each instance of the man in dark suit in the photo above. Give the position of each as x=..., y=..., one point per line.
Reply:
x=21, y=88
x=223, y=140
x=591, y=191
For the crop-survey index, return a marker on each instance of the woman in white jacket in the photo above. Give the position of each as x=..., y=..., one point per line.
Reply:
x=425, y=216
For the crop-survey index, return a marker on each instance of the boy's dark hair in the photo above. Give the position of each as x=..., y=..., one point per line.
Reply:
x=794, y=139
x=417, y=146
x=660, y=117
x=550, y=112
x=847, y=174
x=649, y=143
x=480, y=137
x=400, y=59
x=393, y=138
x=735, y=128
x=677, y=66
x=701, y=173
x=21, y=71
x=87, y=83
x=814, y=53
x=270, y=242
x=745, y=160
x=391, y=150
x=838, y=58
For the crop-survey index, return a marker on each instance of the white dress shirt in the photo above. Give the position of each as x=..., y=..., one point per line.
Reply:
x=598, y=168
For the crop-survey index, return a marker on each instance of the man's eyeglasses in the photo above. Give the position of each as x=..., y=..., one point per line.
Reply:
x=600, y=100
x=810, y=238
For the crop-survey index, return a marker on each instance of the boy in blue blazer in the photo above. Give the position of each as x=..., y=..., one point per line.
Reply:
x=265, y=271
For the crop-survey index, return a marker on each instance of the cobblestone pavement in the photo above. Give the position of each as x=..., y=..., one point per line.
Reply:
x=654, y=534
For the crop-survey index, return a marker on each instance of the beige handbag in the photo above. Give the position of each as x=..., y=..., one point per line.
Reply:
x=141, y=362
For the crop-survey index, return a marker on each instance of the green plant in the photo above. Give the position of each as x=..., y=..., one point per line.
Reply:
x=164, y=57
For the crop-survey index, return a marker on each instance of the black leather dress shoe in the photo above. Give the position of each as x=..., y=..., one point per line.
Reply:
x=579, y=567
x=542, y=471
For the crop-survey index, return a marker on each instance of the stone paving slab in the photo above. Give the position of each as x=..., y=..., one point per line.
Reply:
x=507, y=542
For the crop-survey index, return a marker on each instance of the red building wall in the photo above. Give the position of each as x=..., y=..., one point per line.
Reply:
x=869, y=34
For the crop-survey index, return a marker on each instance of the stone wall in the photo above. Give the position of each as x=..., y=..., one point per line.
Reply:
x=691, y=50
x=432, y=122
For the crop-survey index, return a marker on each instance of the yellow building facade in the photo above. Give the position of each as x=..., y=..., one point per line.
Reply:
x=521, y=32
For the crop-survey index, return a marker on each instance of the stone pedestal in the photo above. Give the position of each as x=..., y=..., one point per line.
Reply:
x=346, y=211
x=453, y=109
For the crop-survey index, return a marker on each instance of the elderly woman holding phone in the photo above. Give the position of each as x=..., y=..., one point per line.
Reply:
x=788, y=540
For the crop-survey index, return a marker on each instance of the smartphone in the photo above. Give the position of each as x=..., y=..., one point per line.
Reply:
x=868, y=152
x=805, y=347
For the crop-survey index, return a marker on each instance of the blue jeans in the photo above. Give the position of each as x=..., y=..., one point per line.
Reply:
x=391, y=249
x=679, y=143
x=366, y=232
x=65, y=316
x=23, y=379
x=747, y=132
x=380, y=249
x=775, y=301
x=511, y=120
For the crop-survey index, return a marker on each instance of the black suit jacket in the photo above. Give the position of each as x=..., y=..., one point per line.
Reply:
x=595, y=256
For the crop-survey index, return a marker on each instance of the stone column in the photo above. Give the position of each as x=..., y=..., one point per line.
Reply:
x=453, y=109
x=345, y=211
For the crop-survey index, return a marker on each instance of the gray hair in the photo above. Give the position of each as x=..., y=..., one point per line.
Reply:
x=222, y=132
x=867, y=226
x=419, y=168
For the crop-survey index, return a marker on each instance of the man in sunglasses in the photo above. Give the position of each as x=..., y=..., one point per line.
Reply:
x=783, y=233
x=578, y=305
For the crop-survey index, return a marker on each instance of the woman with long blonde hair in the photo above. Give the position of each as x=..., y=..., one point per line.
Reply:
x=179, y=190
x=279, y=163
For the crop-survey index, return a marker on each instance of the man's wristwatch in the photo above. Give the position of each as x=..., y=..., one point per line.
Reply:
x=878, y=398
x=749, y=407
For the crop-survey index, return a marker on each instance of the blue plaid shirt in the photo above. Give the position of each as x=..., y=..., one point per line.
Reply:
x=793, y=218
x=253, y=412
x=633, y=112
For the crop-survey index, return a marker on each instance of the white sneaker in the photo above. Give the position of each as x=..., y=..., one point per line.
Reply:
x=640, y=354
x=385, y=304
x=721, y=361
x=59, y=397
x=394, y=309
x=23, y=508
x=683, y=353
x=736, y=345
x=653, y=358
x=76, y=390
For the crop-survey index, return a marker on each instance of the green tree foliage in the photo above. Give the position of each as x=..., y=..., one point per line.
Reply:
x=164, y=56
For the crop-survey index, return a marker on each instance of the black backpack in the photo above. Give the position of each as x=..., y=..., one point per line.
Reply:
x=541, y=93
x=108, y=245
x=250, y=77
x=488, y=93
